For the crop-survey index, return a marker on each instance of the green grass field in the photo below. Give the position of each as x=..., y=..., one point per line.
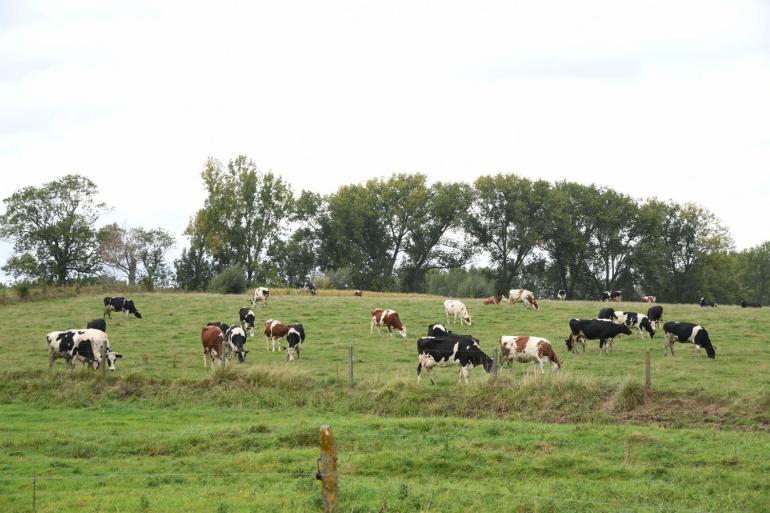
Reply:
x=163, y=434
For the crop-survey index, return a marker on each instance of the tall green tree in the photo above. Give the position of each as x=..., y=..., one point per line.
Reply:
x=507, y=219
x=53, y=225
x=119, y=249
x=153, y=246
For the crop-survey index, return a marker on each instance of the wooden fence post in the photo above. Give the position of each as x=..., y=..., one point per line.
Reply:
x=494, y=365
x=647, y=373
x=350, y=365
x=104, y=359
x=327, y=470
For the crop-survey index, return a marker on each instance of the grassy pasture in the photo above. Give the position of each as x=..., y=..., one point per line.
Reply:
x=163, y=434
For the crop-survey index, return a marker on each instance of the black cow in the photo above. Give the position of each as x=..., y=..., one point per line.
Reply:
x=744, y=304
x=235, y=337
x=120, y=304
x=247, y=319
x=655, y=314
x=704, y=302
x=295, y=337
x=448, y=350
x=593, y=329
x=688, y=332
x=606, y=313
x=97, y=324
x=437, y=330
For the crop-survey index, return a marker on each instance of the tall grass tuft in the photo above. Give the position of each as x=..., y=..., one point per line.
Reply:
x=629, y=396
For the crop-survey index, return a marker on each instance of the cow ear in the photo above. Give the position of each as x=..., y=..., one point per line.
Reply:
x=118, y=355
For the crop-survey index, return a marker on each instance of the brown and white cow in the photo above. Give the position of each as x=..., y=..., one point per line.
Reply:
x=212, y=339
x=528, y=349
x=524, y=296
x=358, y=293
x=389, y=319
x=274, y=332
x=648, y=299
x=493, y=300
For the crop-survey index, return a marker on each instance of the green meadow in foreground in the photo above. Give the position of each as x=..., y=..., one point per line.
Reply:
x=164, y=434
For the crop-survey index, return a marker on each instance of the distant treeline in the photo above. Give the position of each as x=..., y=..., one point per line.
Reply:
x=401, y=233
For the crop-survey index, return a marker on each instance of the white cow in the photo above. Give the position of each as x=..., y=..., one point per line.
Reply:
x=524, y=296
x=528, y=349
x=456, y=309
x=260, y=294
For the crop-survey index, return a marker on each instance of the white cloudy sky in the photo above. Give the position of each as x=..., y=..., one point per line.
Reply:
x=662, y=98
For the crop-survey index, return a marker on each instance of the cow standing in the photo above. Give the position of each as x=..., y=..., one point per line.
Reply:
x=648, y=299
x=358, y=293
x=704, y=302
x=294, y=338
x=274, y=331
x=260, y=294
x=593, y=329
x=655, y=315
x=492, y=300
x=212, y=339
x=526, y=297
x=235, y=342
x=562, y=295
x=450, y=350
x=308, y=288
x=389, y=319
x=120, y=304
x=744, y=304
x=246, y=317
x=456, y=309
x=528, y=349
x=637, y=320
x=606, y=313
x=97, y=324
x=87, y=346
x=437, y=330
x=688, y=332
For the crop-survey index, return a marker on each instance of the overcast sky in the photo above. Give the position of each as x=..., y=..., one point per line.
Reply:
x=668, y=99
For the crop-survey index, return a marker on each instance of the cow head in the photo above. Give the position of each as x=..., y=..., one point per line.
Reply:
x=467, y=319
x=291, y=354
x=112, y=358
x=237, y=342
x=402, y=331
x=624, y=329
x=570, y=343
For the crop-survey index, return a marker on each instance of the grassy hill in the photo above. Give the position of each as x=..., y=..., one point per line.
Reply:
x=163, y=434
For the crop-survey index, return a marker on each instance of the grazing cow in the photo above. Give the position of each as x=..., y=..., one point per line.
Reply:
x=606, y=313
x=247, y=320
x=120, y=304
x=456, y=309
x=648, y=299
x=524, y=296
x=528, y=349
x=605, y=296
x=704, y=302
x=307, y=288
x=593, y=329
x=616, y=295
x=274, y=332
x=437, y=330
x=449, y=350
x=212, y=339
x=97, y=324
x=221, y=325
x=688, y=332
x=86, y=345
x=235, y=340
x=260, y=294
x=294, y=338
x=388, y=318
x=655, y=315
x=492, y=300
x=637, y=320
x=744, y=304
x=562, y=295
x=358, y=293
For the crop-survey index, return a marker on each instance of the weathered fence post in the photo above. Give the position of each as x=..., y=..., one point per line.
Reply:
x=494, y=365
x=350, y=365
x=647, y=373
x=327, y=470
x=104, y=359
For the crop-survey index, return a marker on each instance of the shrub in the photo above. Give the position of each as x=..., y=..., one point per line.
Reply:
x=230, y=281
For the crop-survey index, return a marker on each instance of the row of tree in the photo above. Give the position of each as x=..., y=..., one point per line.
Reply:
x=397, y=233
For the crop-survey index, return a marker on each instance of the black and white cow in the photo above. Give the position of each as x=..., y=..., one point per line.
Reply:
x=247, y=320
x=704, y=302
x=688, y=332
x=437, y=330
x=235, y=340
x=637, y=320
x=221, y=325
x=592, y=329
x=655, y=315
x=307, y=288
x=606, y=313
x=120, y=304
x=97, y=324
x=744, y=304
x=449, y=350
x=616, y=295
x=82, y=345
x=294, y=338
x=605, y=296
x=562, y=294
x=260, y=294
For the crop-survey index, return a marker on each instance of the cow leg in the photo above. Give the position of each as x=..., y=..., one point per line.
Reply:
x=51, y=360
x=464, y=374
x=430, y=375
x=267, y=340
x=540, y=362
x=419, y=372
x=371, y=327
